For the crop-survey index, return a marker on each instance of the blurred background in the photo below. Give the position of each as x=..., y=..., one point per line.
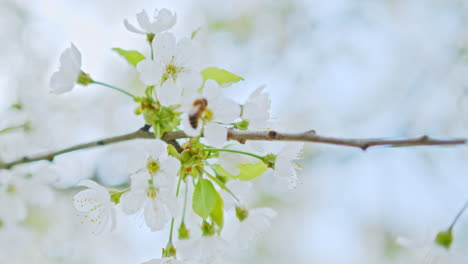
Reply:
x=359, y=68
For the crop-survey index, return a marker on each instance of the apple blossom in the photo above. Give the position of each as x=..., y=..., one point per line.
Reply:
x=95, y=206
x=171, y=69
x=256, y=112
x=69, y=71
x=163, y=20
x=220, y=110
x=153, y=190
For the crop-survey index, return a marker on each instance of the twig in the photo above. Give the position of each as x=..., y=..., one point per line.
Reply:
x=243, y=136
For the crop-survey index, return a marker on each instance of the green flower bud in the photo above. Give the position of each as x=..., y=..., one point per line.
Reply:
x=84, y=79
x=169, y=251
x=270, y=160
x=241, y=213
x=208, y=229
x=184, y=233
x=444, y=238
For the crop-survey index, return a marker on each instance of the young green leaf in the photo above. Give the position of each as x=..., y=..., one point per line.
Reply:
x=217, y=215
x=222, y=77
x=132, y=56
x=204, y=198
x=248, y=171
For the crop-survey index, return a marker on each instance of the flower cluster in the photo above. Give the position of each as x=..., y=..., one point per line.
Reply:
x=203, y=171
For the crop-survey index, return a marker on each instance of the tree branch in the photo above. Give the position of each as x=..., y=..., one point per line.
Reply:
x=243, y=136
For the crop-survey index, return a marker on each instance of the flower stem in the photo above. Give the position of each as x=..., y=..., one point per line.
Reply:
x=185, y=203
x=172, y=228
x=178, y=186
x=237, y=151
x=458, y=216
x=115, y=88
x=221, y=185
x=7, y=129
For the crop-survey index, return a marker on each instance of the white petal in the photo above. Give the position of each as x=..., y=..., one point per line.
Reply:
x=169, y=93
x=132, y=201
x=291, y=151
x=164, y=46
x=75, y=56
x=170, y=166
x=150, y=72
x=93, y=185
x=87, y=200
x=257, y=109
x=211, y=90
x=61, y=83
x=215, y=134
x=131, y=28
x=225, y=110
x=156, y=215
x=164, y=20
x=143, y=20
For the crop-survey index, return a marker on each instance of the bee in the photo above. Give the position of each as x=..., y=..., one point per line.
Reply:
x=199, y=106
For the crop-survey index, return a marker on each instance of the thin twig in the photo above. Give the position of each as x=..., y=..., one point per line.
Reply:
x=243, y=136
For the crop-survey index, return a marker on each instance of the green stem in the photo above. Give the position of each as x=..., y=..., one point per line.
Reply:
x=172, y=228
x=458, y=216
x=178, y=186
x=7, y=129
x=221, y=185
x=237, y=151
x=152, y=52
x=185, y=203
x=115, y=88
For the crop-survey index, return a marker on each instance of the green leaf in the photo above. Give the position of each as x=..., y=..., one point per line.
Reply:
x=132, y=56
x=248, y=171
x=204, y=198
x=444, y=238
x=222, y=77
x=217, y=215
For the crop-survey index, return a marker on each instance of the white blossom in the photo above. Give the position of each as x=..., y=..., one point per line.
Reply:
x=155, y=193
x=172, y=68
x=257, y=109
x=206, y=249
x=285, y=168
x=65, y=78
x=221, y=109
x=19, y=191
x=95, y=206
x=241, y=234
x=163, y=20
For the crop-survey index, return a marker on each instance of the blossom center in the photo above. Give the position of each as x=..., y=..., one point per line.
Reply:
x=153, y=166
x=152, y=192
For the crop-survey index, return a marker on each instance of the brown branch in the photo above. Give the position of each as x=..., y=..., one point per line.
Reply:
x=243, y=136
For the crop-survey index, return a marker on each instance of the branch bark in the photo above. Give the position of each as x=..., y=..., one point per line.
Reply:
x=243, y=136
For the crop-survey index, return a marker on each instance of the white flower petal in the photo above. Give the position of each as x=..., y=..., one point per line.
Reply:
x=156, y=215
x=143, y=21
x=225, y=110
x=170, y=166
x=215, y=134
x=70, y=67
x=133, y=201
x=158, y=149
x=131, y=28
x=211, y=90
x=169, y=93
x=164, y=20
x=150, y=72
